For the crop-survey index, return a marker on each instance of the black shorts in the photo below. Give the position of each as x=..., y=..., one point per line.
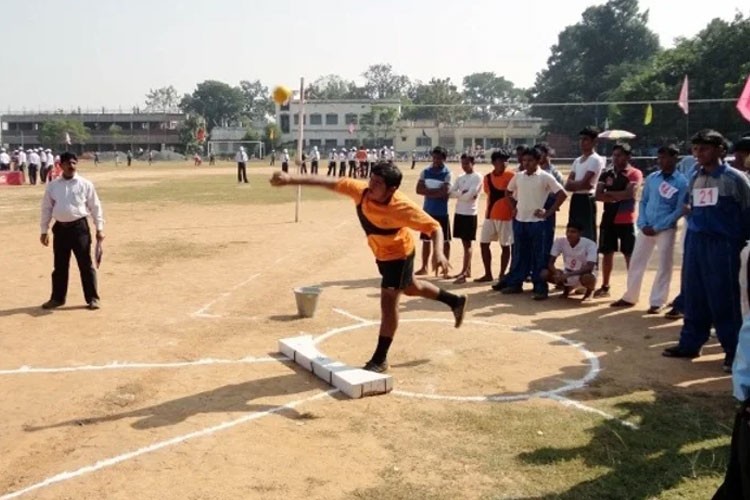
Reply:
x=444, y=223
x=617, y=238
x=465, y=227
x=397, y=274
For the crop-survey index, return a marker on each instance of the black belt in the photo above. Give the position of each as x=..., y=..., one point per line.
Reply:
x=71, y=223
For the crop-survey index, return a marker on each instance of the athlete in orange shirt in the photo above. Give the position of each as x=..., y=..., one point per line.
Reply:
x=387, y=217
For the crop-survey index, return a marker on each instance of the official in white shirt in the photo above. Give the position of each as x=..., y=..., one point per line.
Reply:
x=314, y=160
x=70, y=200
x=34, y=162
x=4, y=160
x=43, y=165
x=467, y=188
x=241, y=159
x=285, y=161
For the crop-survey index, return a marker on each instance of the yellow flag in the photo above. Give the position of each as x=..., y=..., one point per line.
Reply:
x=649, y=115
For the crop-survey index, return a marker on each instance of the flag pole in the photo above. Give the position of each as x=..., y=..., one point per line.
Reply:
x=300, y=141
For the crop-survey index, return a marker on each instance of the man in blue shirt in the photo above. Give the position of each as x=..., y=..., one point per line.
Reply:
x=718, y=227
x=435, y=185
x=660, y=208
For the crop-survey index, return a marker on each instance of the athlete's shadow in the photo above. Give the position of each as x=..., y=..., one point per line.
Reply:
x=227, y=399
x=33, y=311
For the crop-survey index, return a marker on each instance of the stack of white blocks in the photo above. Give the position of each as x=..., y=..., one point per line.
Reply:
x=354, y=382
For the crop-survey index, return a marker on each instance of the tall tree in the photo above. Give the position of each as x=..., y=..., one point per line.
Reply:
x=163, y=100
x=382, y=83
x=379, y=125
x=696, y=57
x=493, y=96
x=334, y=87
x=441, y=92
x=589, y=60
x=217, y=102
x=53, y=133
x=258, y=105
x=188, y=134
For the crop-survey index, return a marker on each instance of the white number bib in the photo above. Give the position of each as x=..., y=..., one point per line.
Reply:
x=666, y=190
x=705, y=197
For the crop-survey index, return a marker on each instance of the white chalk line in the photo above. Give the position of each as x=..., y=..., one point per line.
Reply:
x=109, y=462
x=351, y=316
x=125, y=365
x=555, y=394
x=203, y=311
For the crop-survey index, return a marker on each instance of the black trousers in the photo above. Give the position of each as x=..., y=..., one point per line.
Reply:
x=352, y=168
x=331, y=168
x=72, y=237
x=32, y=174
x=736, y=484
x=43, y=174
x=342, y=169
x=314, y=167
x=583, y=211
x=241, y=172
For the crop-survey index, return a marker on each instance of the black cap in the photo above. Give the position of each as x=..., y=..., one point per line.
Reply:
x=590, y=131
x=708, y=137
x=543, y=147
x=669, y=149
x=742, y=145
x=624, y=147
x=67, y=156
x=439, y=150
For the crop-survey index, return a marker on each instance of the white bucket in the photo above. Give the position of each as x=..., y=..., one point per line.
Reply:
x=307, y=300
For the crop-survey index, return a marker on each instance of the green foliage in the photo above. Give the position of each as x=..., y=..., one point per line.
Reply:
x=437, y=91
x=382, y=83
x=272, y=136
x=334, y=87
x=380, y=124
x=52, y=133
x=217, y=102
x=258, y=105
x=697, y=57
x=499, y=97
x=162, y=100
x=589, y=61
x=187, y=134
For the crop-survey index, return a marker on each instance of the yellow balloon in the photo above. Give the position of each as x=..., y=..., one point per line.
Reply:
x=281, y=94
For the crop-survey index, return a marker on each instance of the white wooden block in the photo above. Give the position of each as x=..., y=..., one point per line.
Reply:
x=358, y=383
x=354, y=382
x=287, y=347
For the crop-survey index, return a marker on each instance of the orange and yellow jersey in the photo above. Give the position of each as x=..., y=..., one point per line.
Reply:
x=388, y=226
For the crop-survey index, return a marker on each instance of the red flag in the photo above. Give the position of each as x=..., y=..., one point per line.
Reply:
x=351, y=128
x=683, y=99
x=743, y=103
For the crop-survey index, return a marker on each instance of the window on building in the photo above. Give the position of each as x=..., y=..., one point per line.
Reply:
x=284, y=118
x=351, y=118
x=304, y=119
x=467, y=143
x=285, y=106
x=331, y=144
x=315, y=142
x=316, y=119
x=424, y=142
x=494, y=142
x=332, y=119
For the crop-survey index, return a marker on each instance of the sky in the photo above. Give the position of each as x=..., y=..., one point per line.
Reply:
x=109, y=53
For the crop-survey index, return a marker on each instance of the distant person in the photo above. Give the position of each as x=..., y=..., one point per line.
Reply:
x=211, y=159
x=285, y=161
x=117, y=158
x=273, y=157
x=617, y=188
x=33, y=165
x=129, y=157
x=241, y=159
x=351, y=158
x=741, y=152
x=314, y=160
x=466, y=190
x=96, y=159
x=4, y=160
x=197, y=160
x=582, y=182
x=413, y=158
x=435, y=184
x=362, y=163
x=303, y=164
x=70, y=200
x=42, y=165
x=21, y=160
x=342, y=162
x=332, y=163
x=498, y=217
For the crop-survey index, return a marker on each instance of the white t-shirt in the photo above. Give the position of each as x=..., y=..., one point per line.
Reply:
x=315, y=156
x=285, y=157
x=594, y=163
x=342, y=156
x=240, y=157
x=467, y=202
x=531, y=192
x=574, y=257
x=5, y=158
x=332, y=156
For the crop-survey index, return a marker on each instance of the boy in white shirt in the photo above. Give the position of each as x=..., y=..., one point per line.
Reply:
x=579, y=262
x=582, y=182
x=466, y=190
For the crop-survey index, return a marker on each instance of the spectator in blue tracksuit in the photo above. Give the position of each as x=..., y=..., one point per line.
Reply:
x=551, y=221
x=718, y=225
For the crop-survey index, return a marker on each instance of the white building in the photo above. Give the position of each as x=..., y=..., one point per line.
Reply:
x=330, y=123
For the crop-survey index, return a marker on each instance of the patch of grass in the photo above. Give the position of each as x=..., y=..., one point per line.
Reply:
x=208, y=190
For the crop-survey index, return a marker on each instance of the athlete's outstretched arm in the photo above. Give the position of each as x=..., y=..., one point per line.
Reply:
x=285, y=179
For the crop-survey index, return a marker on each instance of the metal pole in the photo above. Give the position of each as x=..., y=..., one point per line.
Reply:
x=300, y=141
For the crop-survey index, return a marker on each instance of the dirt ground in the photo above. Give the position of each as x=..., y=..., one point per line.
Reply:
x=201, y=293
